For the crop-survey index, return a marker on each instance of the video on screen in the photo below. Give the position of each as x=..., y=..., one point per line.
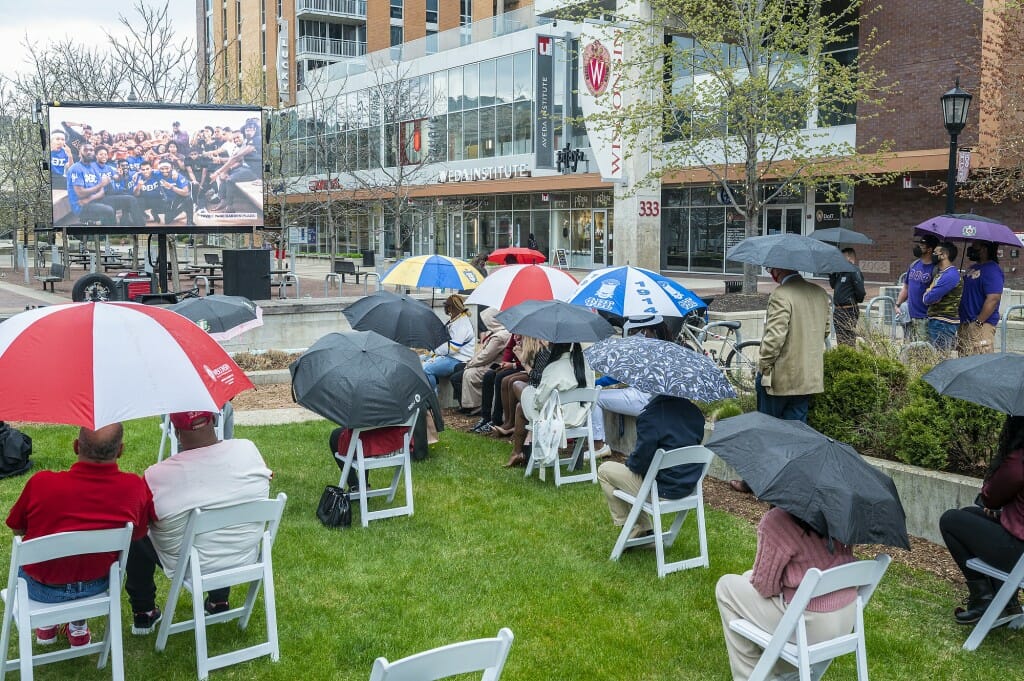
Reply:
x=156, y=167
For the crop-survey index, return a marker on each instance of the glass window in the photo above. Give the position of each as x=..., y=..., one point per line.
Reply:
x=470, y=85
x=431, y=44
x=487, y=141
x=438, y=136
x=441, y=92
x=521, y=202
x=470, y=134
x=373, y=149
x=488, y=82
x=363, y=140
x=504, y=79
x=390, y=145
x=455, y=137
x=465, y=12
x=396, y=9
x=503, y=122
x=522, y=75
x=431, y=11
x=396, y=36
x=523, y=124
x=455, y=89
x=503, y=201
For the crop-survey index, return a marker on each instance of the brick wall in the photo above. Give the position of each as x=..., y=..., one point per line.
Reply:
x=929, y=44
x=378, y=25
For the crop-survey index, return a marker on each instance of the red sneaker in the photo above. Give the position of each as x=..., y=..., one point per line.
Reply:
x=46, y=636
x=78, y=637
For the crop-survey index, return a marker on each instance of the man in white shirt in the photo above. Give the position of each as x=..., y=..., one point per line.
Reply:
x=206, y=473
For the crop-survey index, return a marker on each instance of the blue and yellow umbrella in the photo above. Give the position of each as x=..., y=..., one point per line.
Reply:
x=433, y=271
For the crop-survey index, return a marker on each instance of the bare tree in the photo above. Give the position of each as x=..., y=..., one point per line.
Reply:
x=158, y=65
x=24, y=186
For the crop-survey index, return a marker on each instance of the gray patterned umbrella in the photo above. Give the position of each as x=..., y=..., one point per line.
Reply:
x=656, y=366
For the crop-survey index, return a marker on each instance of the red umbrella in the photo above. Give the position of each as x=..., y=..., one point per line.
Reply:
x=514, y=284
x=519, y=256
x=93, y=364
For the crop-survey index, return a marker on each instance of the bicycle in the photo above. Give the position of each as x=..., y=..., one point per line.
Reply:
x=737, y=358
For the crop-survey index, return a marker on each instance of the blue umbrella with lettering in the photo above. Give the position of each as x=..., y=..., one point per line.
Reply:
x=633, y=291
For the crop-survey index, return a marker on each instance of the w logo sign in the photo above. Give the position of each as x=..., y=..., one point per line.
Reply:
x=596, y=67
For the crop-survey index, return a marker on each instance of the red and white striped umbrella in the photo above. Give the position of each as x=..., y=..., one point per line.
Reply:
x=93, y=364
x=513, y=284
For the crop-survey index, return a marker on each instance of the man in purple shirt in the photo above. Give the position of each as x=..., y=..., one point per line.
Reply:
x=979, y=304
x=919, y=277
x=943, y=298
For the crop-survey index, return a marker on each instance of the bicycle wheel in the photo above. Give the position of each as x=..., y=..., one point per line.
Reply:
x=741, y=365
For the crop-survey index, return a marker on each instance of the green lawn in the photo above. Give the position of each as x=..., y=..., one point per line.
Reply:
x=487, y=549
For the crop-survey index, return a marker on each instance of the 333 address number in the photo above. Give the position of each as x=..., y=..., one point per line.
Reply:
x=650, y=209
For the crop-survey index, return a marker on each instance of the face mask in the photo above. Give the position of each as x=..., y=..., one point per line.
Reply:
x=918, y=252
x=972, y=253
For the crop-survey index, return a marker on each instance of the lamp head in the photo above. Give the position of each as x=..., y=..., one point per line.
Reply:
x=955, y=105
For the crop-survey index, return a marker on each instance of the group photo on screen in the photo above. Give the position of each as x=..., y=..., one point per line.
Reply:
x=155, y=167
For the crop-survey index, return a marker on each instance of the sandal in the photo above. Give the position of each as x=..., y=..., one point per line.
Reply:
x=517, y=460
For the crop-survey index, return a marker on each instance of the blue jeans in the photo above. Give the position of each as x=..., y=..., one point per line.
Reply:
x=44, y=593
x=942, y=334
x=441, y=365
x=788, y=407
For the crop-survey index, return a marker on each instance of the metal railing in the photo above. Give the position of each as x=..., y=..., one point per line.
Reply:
x=340, y=8
x=329, y=47
x=890, y=312
x=1004, y=323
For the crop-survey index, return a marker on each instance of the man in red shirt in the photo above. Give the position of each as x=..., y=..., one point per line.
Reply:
x=104, y=497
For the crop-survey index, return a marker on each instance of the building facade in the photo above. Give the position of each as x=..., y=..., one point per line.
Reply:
x=495, y=153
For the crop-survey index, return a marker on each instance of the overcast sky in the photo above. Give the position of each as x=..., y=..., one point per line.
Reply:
x=50, y=20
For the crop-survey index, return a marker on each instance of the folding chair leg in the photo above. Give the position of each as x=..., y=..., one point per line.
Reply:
x=250, y=602
x=25, y=646
x=992, y=613
x=199, y=620
x=270, y=610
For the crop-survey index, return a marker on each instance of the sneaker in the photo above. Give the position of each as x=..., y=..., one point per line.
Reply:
x=485, y=429
x=46, y=636
x=478, y=425
x=604, y=452
x=145, y=622
x=78, y=636
x=215, y=607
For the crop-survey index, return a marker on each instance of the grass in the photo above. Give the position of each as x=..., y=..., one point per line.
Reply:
x=487, y=549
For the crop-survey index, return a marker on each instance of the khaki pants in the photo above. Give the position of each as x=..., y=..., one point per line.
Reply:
x=972, y=339
x=614, y=475
x=738, y=599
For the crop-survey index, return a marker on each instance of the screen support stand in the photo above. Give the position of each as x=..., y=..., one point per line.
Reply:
x=161, y=258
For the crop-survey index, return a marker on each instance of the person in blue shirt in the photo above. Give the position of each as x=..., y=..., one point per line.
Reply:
x=177, y=192
x=61, y=159
x=115, y=195
x=135, y=159
x=943, y=298
x=86, y=188
x=148, y=191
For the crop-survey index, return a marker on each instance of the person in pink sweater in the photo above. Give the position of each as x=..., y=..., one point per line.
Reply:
x=787, y=548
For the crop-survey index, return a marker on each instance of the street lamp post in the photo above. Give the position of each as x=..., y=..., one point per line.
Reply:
x=955, y=104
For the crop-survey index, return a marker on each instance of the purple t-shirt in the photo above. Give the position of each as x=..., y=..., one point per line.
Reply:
x=919, y=277
x=980, y=280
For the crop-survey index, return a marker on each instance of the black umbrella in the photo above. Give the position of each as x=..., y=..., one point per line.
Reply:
x=401, y=318
x=555, y=321
x=223, y=317
x=813, y=477
x=790, y=252
x=993, y=380
x=359, y=379
x=660, y=367
x=840, y=235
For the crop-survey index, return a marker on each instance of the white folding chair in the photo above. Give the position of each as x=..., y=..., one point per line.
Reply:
x=647, y=501
x=169, y=439
x=258, y=573
x=584, y=436
x=27, y=614
x=483, y=654
x=813, y=659
x=1012, y=581
x=400, y=460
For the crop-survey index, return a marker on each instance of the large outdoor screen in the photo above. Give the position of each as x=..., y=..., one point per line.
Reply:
x=123, y=166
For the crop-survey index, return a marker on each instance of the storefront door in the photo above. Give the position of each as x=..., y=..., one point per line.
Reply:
x=601, y=236
x=455, y=235
x=783, y=220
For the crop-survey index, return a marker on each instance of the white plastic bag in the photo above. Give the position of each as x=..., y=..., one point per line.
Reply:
x=548, y=432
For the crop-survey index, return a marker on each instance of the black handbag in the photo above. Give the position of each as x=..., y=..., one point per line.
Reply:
x=334, y=509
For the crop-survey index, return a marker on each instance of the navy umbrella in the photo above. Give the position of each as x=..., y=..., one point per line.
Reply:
x=825, y=483
x=401, y=318
x=555, y=321
x=993, y=380
x=660, y=367
x=790, y=252
x=359, y=379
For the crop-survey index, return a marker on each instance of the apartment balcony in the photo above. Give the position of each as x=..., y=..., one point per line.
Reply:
x=329, y=49
x=334, y=11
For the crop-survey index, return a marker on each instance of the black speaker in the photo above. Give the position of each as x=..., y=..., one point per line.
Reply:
x=247, y=273
x=368, y=258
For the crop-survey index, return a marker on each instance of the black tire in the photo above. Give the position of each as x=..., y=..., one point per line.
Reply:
x=741, y=365
x=93, y=288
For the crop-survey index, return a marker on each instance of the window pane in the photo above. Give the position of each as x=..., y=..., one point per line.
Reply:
x=488, y=84
x=503, y=122
x=455, y=89
x=441, y=92
x=396, y=9
x=471, y=85
x=438, y=137
x=487, y=132
x=523, y=127
x=470, y=134
x=396, y=35
x=505, y=66
x=455, y=137
x=522, y=75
